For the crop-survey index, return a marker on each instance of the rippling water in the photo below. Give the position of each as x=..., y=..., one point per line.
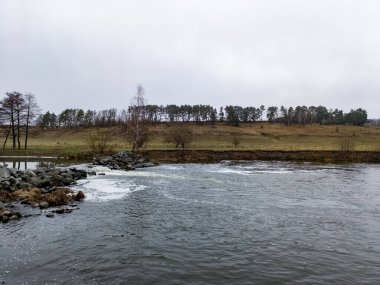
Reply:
x=228, y=223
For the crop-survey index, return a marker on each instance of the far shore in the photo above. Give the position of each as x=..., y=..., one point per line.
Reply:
x=259, y=141
x=208, y=156
x=214, y=156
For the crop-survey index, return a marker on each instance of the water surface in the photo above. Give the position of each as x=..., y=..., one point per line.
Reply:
x=227, y=223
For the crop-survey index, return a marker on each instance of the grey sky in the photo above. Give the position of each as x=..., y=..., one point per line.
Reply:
x=91, y=54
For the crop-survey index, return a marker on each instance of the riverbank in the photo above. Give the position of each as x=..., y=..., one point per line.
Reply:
x=209, y=156
x=73, y=143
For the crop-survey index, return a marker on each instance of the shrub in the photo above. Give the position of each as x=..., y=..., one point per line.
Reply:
x=180, y=136
x=98, y=141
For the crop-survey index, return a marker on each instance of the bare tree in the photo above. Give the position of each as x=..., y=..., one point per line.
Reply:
x=99, y=141
x=11, y=110
x=180, y=136
x=32, y=110
x=137, y=128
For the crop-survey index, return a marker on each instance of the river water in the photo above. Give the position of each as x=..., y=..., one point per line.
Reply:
x=227, y=223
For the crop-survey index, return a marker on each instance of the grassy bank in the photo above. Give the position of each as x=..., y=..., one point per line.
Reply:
x=249, y=138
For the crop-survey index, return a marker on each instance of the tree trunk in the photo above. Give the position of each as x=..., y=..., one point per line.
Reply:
x=27, y=128
x=13, y=128
x=6, y=138
x=18, y=129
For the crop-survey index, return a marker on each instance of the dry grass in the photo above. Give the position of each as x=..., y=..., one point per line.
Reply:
x=33, y=196
x=259, y=136
x=59, y=197
x=6, y=197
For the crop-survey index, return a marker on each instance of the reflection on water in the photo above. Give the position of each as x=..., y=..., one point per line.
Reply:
x=21, y=164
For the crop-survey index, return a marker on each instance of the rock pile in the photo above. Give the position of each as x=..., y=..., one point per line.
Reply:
x=40, y=188
x=46, y=178
x=123, y=161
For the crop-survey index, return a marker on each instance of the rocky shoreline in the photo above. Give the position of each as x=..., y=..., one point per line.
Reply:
x=40, y=188
x=46, y=188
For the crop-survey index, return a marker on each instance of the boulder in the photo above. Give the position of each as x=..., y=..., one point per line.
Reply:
x=79, y=196
x=44, y=205
x=6, y=216
x=4, y=173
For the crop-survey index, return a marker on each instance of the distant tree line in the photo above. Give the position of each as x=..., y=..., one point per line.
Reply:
x=374, y=122
x=18, y=111
x=231, y=115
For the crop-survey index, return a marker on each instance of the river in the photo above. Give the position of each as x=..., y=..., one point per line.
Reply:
x=226, y=223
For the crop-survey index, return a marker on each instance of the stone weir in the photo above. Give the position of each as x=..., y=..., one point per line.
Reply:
x=48, y=187
x=123, y=161
x=39, y=188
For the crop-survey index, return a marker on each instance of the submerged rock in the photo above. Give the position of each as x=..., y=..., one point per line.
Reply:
x=79, y=196
x=6, y=215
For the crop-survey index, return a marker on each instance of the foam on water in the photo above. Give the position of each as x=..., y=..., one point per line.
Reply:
x=172, y=167
x=249, y=170
x=232, y=171
x=107, y=187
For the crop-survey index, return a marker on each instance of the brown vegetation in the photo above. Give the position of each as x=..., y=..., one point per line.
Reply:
x=98, y=141
x=6, y=197
x=251, y=137
x=34, y=197
x=180, y=135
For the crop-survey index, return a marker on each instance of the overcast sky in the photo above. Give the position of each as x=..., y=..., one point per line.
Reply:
x=91, y=54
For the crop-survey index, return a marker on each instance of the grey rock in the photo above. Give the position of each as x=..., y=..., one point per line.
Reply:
x=56, y=180
x=4, y=219
x=12, y=180
x=44, y=205
x=145, y=164
x=24, y=185
x=30, y=173
x=13, y=217
x=25, y=178
x=13, y=172
x=35, y=181
x=4, y=172
x=123, y=160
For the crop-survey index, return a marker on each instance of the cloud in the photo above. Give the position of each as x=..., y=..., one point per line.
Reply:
x=92, y=54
